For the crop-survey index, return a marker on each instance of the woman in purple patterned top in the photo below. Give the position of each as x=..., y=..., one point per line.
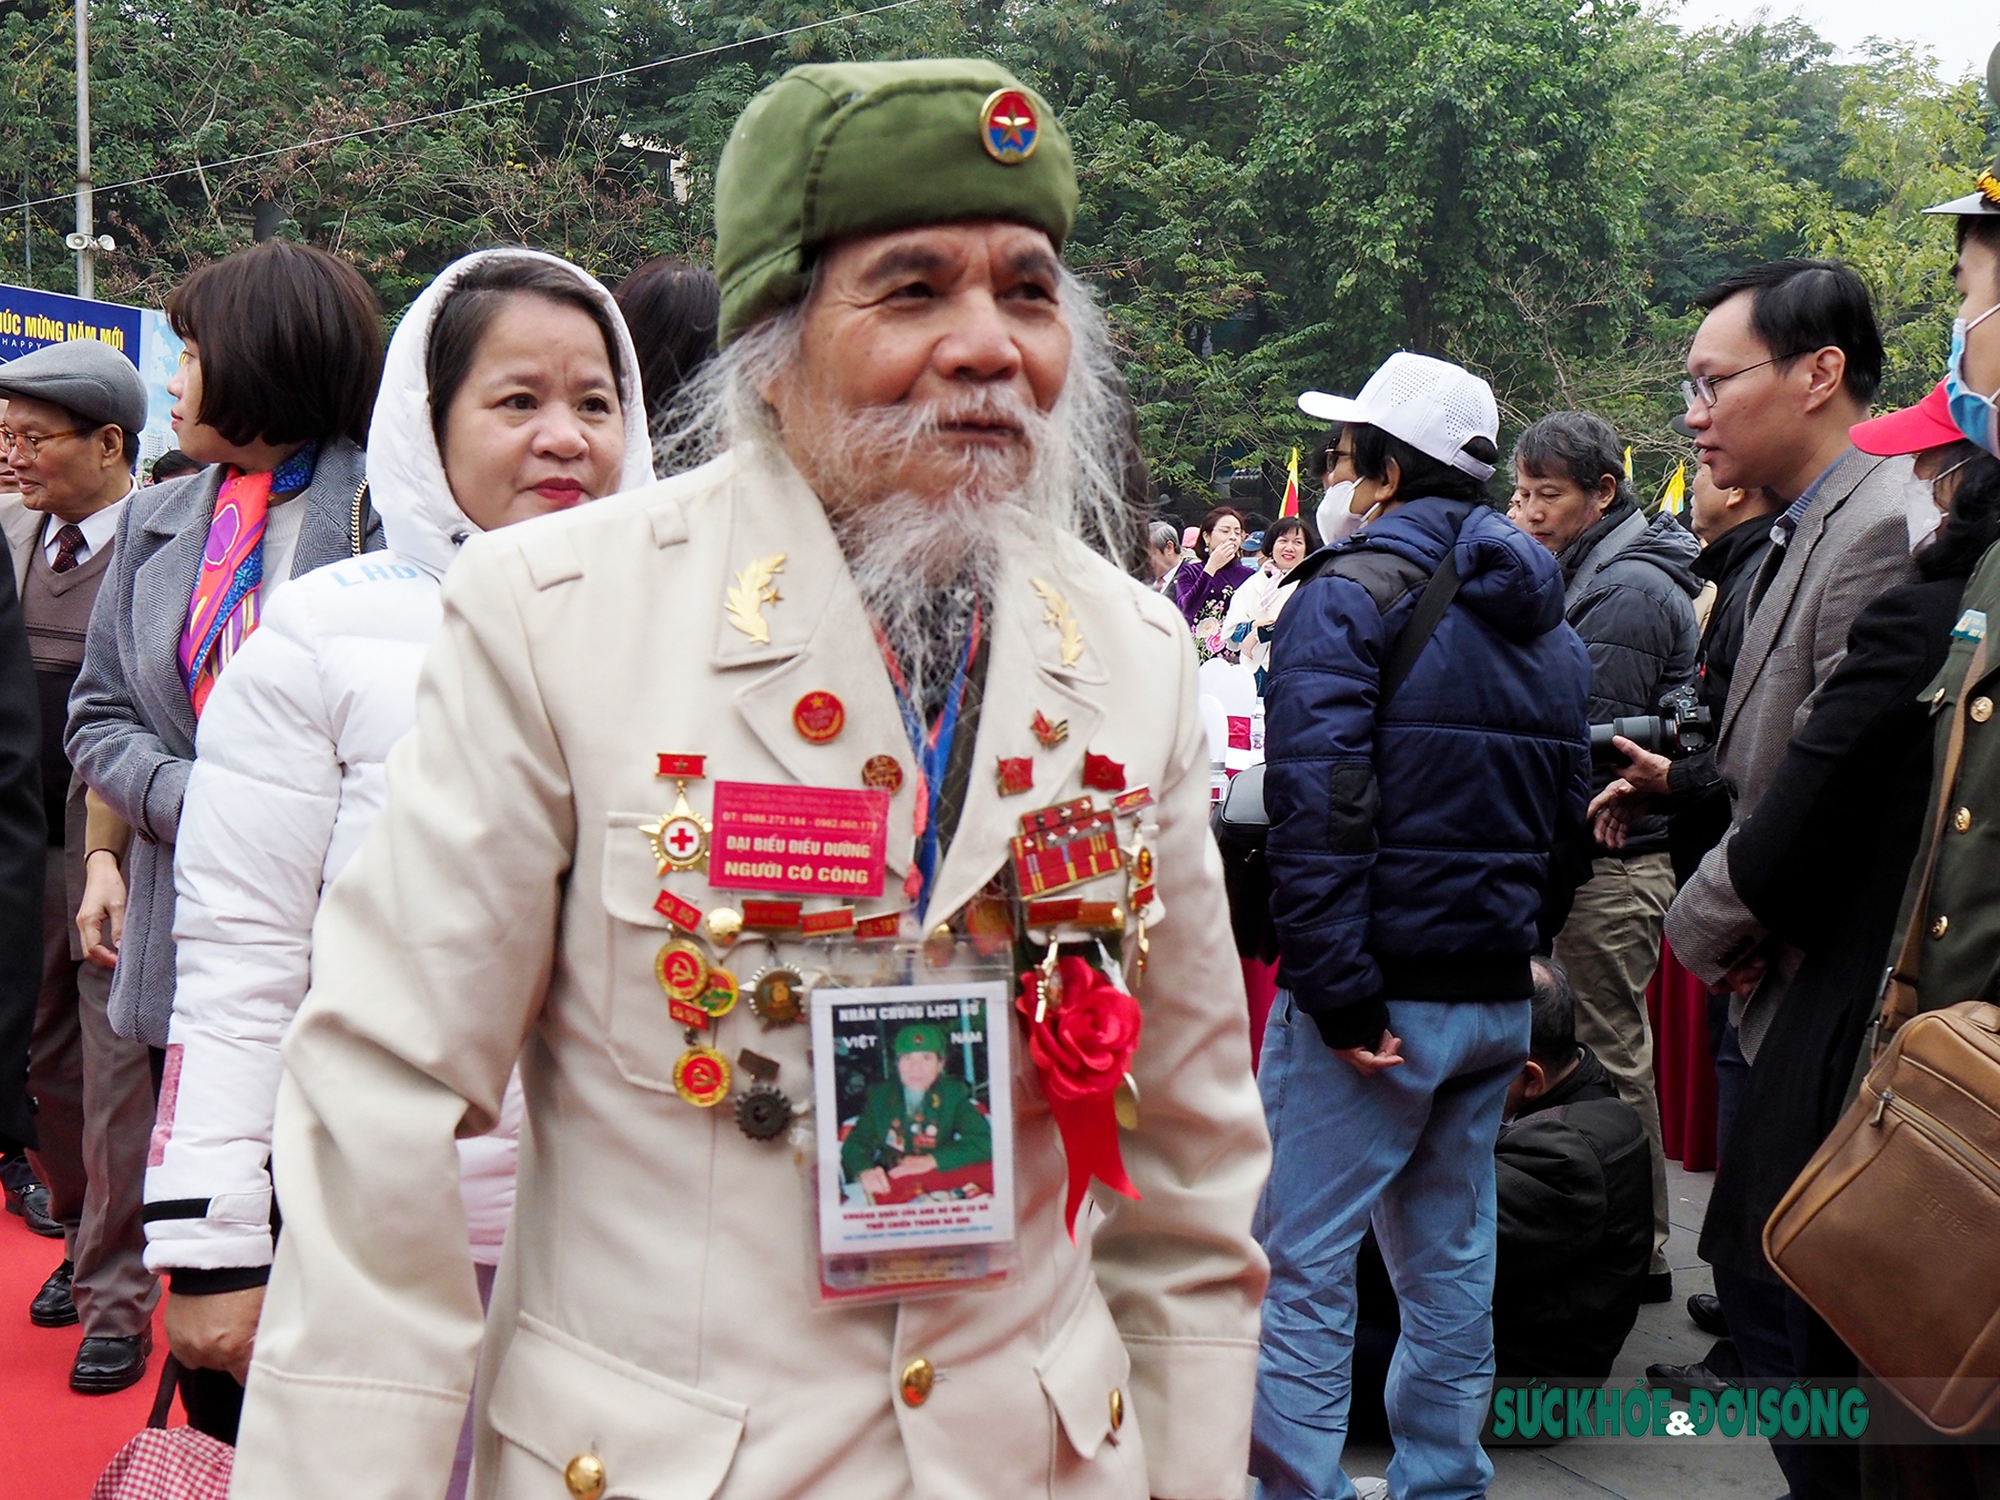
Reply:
x=1208, y=580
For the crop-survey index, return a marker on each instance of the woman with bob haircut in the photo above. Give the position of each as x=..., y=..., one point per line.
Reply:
x=273, y=396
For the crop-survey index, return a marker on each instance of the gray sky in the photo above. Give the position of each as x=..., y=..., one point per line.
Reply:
x=1961, y=32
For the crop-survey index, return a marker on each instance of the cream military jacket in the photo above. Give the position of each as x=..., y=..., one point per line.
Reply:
x=654, y=1309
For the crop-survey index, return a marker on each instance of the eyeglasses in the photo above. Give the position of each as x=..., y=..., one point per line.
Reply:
x=1702, y=387
x=1333, y=456
x=29, y=444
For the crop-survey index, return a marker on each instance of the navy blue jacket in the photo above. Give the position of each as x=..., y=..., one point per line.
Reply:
x=1408, y=857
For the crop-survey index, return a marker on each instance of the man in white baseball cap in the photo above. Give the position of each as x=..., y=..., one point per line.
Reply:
x=1431, y=404
x=1426, y=747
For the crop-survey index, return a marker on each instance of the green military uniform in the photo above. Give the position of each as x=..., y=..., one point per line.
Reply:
x=1961, y=951
x=943, y=1124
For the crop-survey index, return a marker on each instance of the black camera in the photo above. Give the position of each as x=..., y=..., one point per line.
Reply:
x=1681, y=728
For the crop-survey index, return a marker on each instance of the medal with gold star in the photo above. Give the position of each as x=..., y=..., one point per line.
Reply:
x=679, y=837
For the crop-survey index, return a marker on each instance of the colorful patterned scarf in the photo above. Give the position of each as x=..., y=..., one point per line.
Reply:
x=224, y=607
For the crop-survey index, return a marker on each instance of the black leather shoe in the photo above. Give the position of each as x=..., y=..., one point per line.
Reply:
x=1705, y=1312
x=1680, y=1379
x=53, y=1306
x=35, y=1209
x=1658, y=1287
x=107, y=1365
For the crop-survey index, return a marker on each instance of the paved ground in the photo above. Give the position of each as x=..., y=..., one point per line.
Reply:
x=1651, y=1470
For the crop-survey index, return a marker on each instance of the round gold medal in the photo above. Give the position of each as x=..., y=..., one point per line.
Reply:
x=719, y=999
x=724, y=924
x=682, y=970
x=701, y=1077
x=777, y=996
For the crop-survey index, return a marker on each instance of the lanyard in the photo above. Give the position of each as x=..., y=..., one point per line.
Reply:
x=932, y=748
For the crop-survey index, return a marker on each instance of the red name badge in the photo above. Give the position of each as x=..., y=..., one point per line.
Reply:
x=809, y=840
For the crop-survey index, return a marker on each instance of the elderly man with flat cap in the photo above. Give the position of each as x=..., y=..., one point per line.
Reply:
x=70, y=431
x=858, y=702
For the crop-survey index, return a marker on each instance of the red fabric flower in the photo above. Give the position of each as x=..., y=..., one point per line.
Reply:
x=1083, y=1046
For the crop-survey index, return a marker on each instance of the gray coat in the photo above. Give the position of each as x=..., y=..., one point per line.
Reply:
x=1851, y=547
x=131, y=727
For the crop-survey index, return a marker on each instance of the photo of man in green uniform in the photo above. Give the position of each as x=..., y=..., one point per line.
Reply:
x=921, y=1121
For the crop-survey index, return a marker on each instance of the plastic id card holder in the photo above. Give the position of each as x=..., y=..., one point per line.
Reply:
x=914, y=1179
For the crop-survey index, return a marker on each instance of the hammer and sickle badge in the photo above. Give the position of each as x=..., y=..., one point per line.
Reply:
x=1009, y=127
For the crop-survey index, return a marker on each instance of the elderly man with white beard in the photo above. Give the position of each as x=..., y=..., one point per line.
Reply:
x=721, y=792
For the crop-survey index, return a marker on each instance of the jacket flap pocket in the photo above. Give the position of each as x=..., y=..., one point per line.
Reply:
x=1084, y=1373
x=631, y=880
x=558, y=1398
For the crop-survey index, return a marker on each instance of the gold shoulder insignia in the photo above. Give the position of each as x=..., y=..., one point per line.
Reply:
x=754, y=588
x=1056, y=613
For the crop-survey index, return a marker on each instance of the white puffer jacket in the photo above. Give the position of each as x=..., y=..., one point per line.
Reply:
x=289, y=774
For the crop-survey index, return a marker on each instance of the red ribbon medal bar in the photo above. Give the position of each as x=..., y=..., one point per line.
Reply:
x=1065, y=845
x=1082, y=1032
x=803, y=840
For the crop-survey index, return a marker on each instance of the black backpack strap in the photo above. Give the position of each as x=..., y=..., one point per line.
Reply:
x=1437, y=597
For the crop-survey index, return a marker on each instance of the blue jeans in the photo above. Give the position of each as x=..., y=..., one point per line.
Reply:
x=1412, y=1148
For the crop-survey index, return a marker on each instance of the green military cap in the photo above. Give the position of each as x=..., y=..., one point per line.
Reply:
x=920, y=1036
x=836, y=149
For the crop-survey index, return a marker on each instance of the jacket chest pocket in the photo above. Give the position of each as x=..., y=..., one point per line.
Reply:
x=643, y=1039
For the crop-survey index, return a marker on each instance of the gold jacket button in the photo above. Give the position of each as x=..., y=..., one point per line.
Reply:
x=1940, y=927
x=1117, y=1408
x=1962, y=819
x=1981, y=710
x=918, y=1377
x=585, y=1476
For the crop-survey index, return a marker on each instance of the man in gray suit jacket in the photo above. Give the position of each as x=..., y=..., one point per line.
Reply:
x=1784, y=364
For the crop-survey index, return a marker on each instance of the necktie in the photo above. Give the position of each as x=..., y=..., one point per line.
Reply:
x=69, y=542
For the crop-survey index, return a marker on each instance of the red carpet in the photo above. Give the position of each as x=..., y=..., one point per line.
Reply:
x=53, y=1444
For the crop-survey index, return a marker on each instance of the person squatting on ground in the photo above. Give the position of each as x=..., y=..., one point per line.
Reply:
x=1574, y=1225
x=1409, y=849
x=910, y=414
x=510, y=391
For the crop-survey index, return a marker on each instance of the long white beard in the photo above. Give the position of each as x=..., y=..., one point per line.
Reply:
x=923, y=562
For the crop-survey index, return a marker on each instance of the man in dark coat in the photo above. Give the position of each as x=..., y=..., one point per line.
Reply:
x=1734, y=528
x=23, y=844
x=1629, y=592
x=1409, y=851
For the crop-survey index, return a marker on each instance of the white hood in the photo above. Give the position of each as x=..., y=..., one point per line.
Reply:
x=406, y=482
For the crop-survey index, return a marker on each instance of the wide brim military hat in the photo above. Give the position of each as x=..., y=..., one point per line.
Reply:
x=1985, y=195
x=838, y=149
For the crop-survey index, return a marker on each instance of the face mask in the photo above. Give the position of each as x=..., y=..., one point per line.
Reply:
x=1336, y=521
x=1973, y=414
x=1920, y=513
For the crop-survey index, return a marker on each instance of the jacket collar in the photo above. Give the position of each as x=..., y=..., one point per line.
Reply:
x=1577, y=552
x=820, y=638
x=1739, y=544
x=1590, y=1079
x=1778, y=575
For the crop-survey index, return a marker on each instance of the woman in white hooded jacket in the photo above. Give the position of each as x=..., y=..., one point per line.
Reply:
x=510, y=390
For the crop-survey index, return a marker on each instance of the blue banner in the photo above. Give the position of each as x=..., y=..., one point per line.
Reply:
x=31, y=320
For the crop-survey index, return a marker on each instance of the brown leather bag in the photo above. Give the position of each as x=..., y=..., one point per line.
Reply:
x=1892, y=1231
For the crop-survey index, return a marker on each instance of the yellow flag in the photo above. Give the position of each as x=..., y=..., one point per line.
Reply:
x=1291, y=504
x=1674, y=498
x=1628, y=465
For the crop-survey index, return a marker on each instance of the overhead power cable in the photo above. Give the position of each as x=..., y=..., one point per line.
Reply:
x=464, y=109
